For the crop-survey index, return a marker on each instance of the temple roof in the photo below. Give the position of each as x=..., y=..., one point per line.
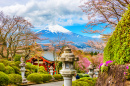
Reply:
x=48, y=55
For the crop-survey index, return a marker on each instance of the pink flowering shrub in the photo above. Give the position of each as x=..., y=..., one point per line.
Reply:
x=84, y=62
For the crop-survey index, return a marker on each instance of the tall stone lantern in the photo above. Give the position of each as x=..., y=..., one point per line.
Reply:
x=91, y=70
x=67, y=71
x=22, y=65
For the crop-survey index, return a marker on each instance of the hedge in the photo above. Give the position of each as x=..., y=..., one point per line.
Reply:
x=16, y=69
x=4, y=79
x=9, y=70
x=15, y=78
x=5, y=62
x=85, y=81
x=42, y=70
x=83, y=75
x=58, y=76
x=35, y=77
x=46, y=77
x=2, y=67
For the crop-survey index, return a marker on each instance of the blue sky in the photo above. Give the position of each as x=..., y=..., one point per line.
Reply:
x=43, y=13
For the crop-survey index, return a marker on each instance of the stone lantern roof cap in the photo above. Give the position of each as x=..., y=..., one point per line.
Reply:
x=67, y=56
x=51, y=68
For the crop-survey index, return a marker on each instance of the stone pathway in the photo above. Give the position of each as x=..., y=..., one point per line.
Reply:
x=59, y=83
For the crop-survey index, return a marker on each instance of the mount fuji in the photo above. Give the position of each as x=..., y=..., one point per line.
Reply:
x=54, y=32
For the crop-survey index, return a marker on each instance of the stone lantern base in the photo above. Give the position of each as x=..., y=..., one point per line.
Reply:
x=67, y=80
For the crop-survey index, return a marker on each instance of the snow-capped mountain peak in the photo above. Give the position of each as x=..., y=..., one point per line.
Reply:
x=56, y=28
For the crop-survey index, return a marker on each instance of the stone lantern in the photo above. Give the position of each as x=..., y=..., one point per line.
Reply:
x=67, y=70
x=91, y=70
x=22, y=65
x=51, y=70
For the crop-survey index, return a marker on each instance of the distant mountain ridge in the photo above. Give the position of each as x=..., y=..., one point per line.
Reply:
x=67, y=35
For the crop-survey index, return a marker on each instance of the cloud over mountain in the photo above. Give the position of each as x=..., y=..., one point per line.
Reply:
x=43, y=12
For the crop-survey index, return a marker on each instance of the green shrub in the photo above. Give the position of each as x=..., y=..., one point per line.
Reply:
x=16, y=69
x=9, y=70
x=35, y=77
x=118, y=45
x=58, y=76
x=4, y=79
x=17, y=57
x=83, y=75
x=17, y=64
x=28, y=66
x=27, y=72
x=15, y=78
x=34, y=68
x=11, y=63
x=85, y=81
x=2, y=67
x=5, y=62
x=42, y=70
x=46, y=77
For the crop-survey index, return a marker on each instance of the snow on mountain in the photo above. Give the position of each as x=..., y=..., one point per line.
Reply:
x=56, y=29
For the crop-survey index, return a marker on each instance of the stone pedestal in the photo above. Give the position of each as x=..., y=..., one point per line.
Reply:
x=67, y=80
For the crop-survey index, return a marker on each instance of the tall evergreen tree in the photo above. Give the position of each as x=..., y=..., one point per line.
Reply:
x=118, y=46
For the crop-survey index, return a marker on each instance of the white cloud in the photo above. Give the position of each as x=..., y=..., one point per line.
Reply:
x=95, y=36
x=43, y=12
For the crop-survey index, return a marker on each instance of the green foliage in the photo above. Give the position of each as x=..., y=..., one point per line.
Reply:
x=42, y=70
x=9, y=70
x=35, y=77
x=118, y=46
x=58, y=76
x=46, y=77
x=15, y=78
x=34, y=68
x=30, y=69
x=11, y=63
x=86, y=81
x=95, y=53
x=17, y=57
x=5, y=62
x=91, y=53
x=27, y=72
x=28, y=66
x=81, y=75
x=16, y=69
x=2, y=67
x=4, y=79
x=104, y=68
x=17, y=64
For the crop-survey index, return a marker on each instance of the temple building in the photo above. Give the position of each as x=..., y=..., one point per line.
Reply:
x=46, y=60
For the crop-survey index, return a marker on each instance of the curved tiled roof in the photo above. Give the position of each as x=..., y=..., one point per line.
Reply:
x=48, y=55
